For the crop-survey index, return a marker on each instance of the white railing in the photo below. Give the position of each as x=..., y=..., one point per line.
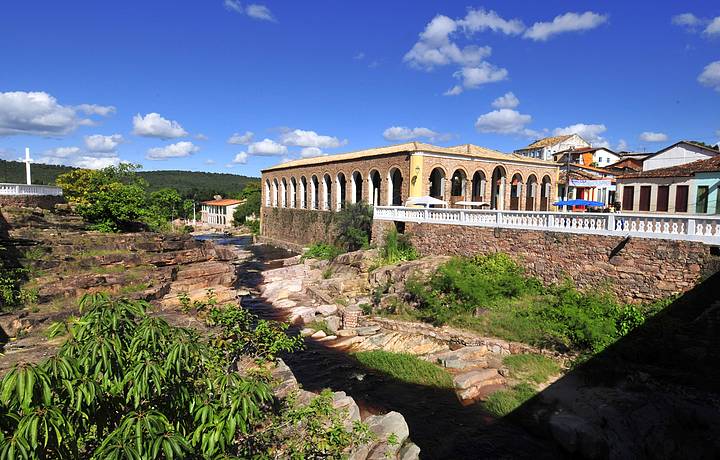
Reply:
x=701, y=228
x=29, y=190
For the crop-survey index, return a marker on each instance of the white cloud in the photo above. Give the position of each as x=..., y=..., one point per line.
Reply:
x=105, y=144
x=472, y=77
x=209, y=161
x=710, y=76
x=90, y=162
x=591, y=133
x=506, y=101
x=154, y=125
x=201, y=137
x=36, y=113
x=302, y=138
x=309, y=152
x=241, y=139
x=649, y=136
x=622, y=146
x=94, y=109
x=253, y=10
x=261, y=12
x=267, y=147
x=403, y=133
x=686, y=20
x=713, y=28
x=177, y=150
x=481, y=20
x=61, y=152
x=359, y=56
x=503, y=121
x=568, y=22
x=241, y=158
x=454, y=91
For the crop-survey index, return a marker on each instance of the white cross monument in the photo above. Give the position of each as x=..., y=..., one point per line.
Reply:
x=27, y=166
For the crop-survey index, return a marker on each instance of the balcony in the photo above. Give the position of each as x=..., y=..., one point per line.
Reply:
x=705, y=229
x=29, y=190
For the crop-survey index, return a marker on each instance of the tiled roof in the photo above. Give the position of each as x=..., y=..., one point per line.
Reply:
x=547, y=141
x=688, y=169
x=223, y=202
x=464, y=149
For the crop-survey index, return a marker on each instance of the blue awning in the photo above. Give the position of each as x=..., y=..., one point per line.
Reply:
x=579, y=203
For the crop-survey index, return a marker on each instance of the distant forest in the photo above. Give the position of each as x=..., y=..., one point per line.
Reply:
x=194, y=185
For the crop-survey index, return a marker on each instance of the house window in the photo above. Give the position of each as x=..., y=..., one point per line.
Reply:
x=681, y=198
x=645, y=191
x=701, y=204
x=628, y=198
x=663, y=198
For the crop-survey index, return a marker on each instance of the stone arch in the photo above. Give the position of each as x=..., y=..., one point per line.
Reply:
x=497, y=191
x=531, y=186
x=314, y=192
x=394, y=187
x=356, y=187
x=479, y=182
x=275, y=193
x=293, y=192
x=516, y=187
x=283, y=193
x=327, y=192
x=545, y=193
x=374, y=183
x=436, y=182
x=268, y=196
x=340, y=190
x=458, y=185
x=303, y=192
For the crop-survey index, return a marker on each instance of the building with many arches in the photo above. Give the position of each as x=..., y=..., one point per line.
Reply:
x=388, y=176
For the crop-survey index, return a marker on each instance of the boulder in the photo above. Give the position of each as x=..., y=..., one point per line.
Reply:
x=327, y=310
x=333, y=323
x=477, y=378
x=409, y=451
x=368, y=330
x=346, y=333
x=318, y=335
x=387, y=428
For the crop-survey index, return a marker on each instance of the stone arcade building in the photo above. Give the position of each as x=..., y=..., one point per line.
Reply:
x=388, y=176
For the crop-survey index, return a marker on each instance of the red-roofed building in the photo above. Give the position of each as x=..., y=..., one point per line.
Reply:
x=219, y=212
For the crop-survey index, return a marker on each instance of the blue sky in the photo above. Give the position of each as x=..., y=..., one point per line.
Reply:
x=167, y=83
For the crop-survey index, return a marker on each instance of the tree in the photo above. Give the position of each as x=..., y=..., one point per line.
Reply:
x=166, y=204
x=251, y=206
x=354, y=224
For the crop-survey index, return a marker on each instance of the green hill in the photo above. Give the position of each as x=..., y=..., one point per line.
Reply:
x=200, y=185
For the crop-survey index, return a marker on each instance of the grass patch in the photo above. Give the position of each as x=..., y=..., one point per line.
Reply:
x=322, y=251
x=503, y=402
x=132, y=288
x=531, y=367
x=406, y=367
x=320, y=325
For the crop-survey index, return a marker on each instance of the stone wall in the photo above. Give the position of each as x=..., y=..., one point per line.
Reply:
x=37, y=201
x=301, y=227
x=636, y=269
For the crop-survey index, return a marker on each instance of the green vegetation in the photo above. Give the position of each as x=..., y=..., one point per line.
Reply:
x=251, y=207
x=12, y=294
x=320, y=325
x=353, y=224
x=405, y=367
x=492, y=295
x=128, y=385
x=397, y=248
x=189, y=184
x=528, y=370
x=322, y=251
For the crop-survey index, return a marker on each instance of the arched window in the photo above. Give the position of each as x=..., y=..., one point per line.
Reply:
x=478, y=186
x=356, y=185
x=341, y=184
x=374, y=188
x=303, y=192
x=314, y=192
x=516, y=186
x=437, y=183
x=275, y=193
x=327, y=192
x=267, y=193
x=497, y=194
x=394, y=192
x=293, y=192
x=545, y=193
x=530, y=192
x=458, y=186
x=283, y=193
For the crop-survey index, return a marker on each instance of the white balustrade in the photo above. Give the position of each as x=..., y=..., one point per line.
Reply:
x=701, y=228
x=29, y=190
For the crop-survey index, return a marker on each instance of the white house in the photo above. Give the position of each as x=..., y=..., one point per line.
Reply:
x=545, y=148
x=680, y=153
x=219, y=212
x=588, y=156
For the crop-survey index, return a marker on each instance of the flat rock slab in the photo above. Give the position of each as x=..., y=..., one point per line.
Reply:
x=368, y=330
x=476, y=378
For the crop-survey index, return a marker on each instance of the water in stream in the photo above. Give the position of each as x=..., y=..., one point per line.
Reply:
x=442, y=427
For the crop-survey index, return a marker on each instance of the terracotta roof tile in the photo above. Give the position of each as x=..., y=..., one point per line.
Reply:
x=223, y=202
x=547, y=141
x=686, y=170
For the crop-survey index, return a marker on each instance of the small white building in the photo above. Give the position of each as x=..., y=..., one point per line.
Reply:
x=680, y=153
x=600, y=157
x=219, y=212
x=544, y=149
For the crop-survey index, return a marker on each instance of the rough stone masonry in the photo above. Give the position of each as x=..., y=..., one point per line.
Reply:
x=635, y=269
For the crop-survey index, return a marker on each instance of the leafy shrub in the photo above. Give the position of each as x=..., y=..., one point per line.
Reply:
x=12, y=294
x=128, y=385
x=353, y=225
x=251, y=206
x=322, y=251
x=397, y=248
